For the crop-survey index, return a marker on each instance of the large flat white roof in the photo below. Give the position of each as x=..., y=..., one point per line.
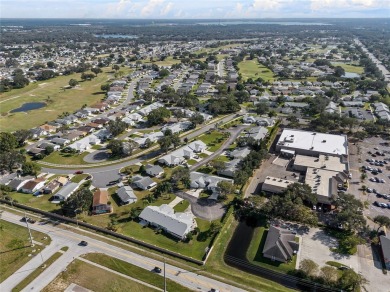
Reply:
x=332, y=163
x=312, y=141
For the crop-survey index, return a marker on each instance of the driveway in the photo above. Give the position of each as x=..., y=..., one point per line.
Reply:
x=203, y=208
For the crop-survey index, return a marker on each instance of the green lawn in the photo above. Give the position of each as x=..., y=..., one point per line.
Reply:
x=182, y=206
x=58, y=157
x=255, y=253
x=41, y=202
x=79, y=177
x=253, y=69
x=15, y=247
x=36, y=272
x=88, y=92
x=222, y=158
x=214, y=140
x=94, y=279
x=134, y=271
x=349, y=68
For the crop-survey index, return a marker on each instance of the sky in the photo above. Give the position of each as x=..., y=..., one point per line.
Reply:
x=198, y=9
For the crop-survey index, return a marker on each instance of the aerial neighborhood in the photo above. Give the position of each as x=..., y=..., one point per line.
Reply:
x=261, y=151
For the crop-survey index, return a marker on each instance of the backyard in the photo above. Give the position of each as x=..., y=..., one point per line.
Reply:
x=15, y=247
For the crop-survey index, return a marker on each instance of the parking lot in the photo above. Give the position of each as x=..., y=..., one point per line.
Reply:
x=360, y=154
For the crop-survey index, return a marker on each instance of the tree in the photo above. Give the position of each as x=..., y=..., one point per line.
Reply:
x=79, y=200
x=157, y=116
x=350, y=214
x=196, y=119
x=115, y=67
x=8, y=142
x=21, y=136
x=128, y=147
x=351, y=281
x=218, y=165
x=329, y=274
x=49, y=149
x=105, y=87
x=147, y=143
x=46, y=74
x=73, y=82
x=181, y=175
x=117, y=127
x=96, y=70
x=165, y=143
x=262, y=108
x=134, y=212
x=87, y=76
x=339, y=71
x=163, y=73
x=215, y=227
x=51, y=65
x=382, y=220
x=20, y=81
x=31, y=168
x=225, y=188
x=116, y=147
x=309, y=267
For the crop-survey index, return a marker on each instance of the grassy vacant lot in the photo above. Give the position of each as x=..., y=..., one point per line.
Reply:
x=349, y=68
x=255, y=253
x=88, y=92
x=15, y=247
x=93, y=278
x=216, y=265
x=134, y=271
x=36, y=272
x=59, y=157
x=214, y=140
x=253, y=69
x=182, y=206
x=41, y=202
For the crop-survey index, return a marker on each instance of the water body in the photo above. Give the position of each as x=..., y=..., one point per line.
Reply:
x=29, y=107
x=262, y=22
x=115, y=36
x=351, y=75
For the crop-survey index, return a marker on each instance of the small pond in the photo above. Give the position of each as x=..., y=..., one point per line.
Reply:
x=29, y=107
x=351, y=75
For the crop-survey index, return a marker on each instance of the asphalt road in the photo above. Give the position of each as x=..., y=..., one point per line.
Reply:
x=61, y=237
x=102, y=175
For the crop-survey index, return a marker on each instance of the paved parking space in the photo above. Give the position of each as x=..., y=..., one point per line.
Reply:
x=358, y=154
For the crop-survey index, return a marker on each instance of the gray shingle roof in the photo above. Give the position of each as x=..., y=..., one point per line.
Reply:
x=280, y=244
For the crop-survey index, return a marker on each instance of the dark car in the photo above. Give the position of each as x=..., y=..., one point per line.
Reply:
x=157, y=270
x=343, y=268
x=113, y=182
x=83, y=243
x=79, y=172
x=28, y=219
x=376, y=203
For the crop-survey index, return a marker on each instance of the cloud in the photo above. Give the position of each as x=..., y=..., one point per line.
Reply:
x=150, y=7
x=348, y=4
x=167, y=8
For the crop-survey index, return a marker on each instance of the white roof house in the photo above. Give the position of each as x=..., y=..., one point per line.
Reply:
x=179, y=155
x=64, y=193
x=164, y=217
x=205, y=181
x=312, y=143
x=147, y=109
x=126, y=195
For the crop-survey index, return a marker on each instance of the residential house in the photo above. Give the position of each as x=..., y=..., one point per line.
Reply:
x=33, y=185
x=154, y=170
x=265, y=122
x=230, y=168
x=100, y=204
x=62, y=180
x=60, y=141
x=280, y=245
x=249, y=119
x=257, y=133
x=44, y=145
x=38, y=132
x=64, y=193
x=179, y=155
x=51, y=187
x=17, y=183
x=49, y=128
x=208, y=182
x=126, y=195
x=144, y=182
x=164, y=217
x=240, y=153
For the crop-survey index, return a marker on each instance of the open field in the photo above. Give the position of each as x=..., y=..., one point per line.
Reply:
x=214, y=140
x=255, y=253
x=36, y=272
x=15, y=247
x=253, y=69
x=93, y=278
x=134, y=271
x=349, y=68
x=69, y=100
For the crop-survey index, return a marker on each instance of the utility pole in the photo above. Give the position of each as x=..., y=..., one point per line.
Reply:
x=28, y=227
x=165, y=279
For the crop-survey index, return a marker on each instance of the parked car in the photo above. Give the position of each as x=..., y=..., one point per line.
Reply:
x=368, y=190
x=376, y=203
x=83, y=243
x=79, y=172
x=28, y=219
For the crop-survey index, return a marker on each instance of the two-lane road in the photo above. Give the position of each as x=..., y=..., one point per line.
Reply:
x=68, y=238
